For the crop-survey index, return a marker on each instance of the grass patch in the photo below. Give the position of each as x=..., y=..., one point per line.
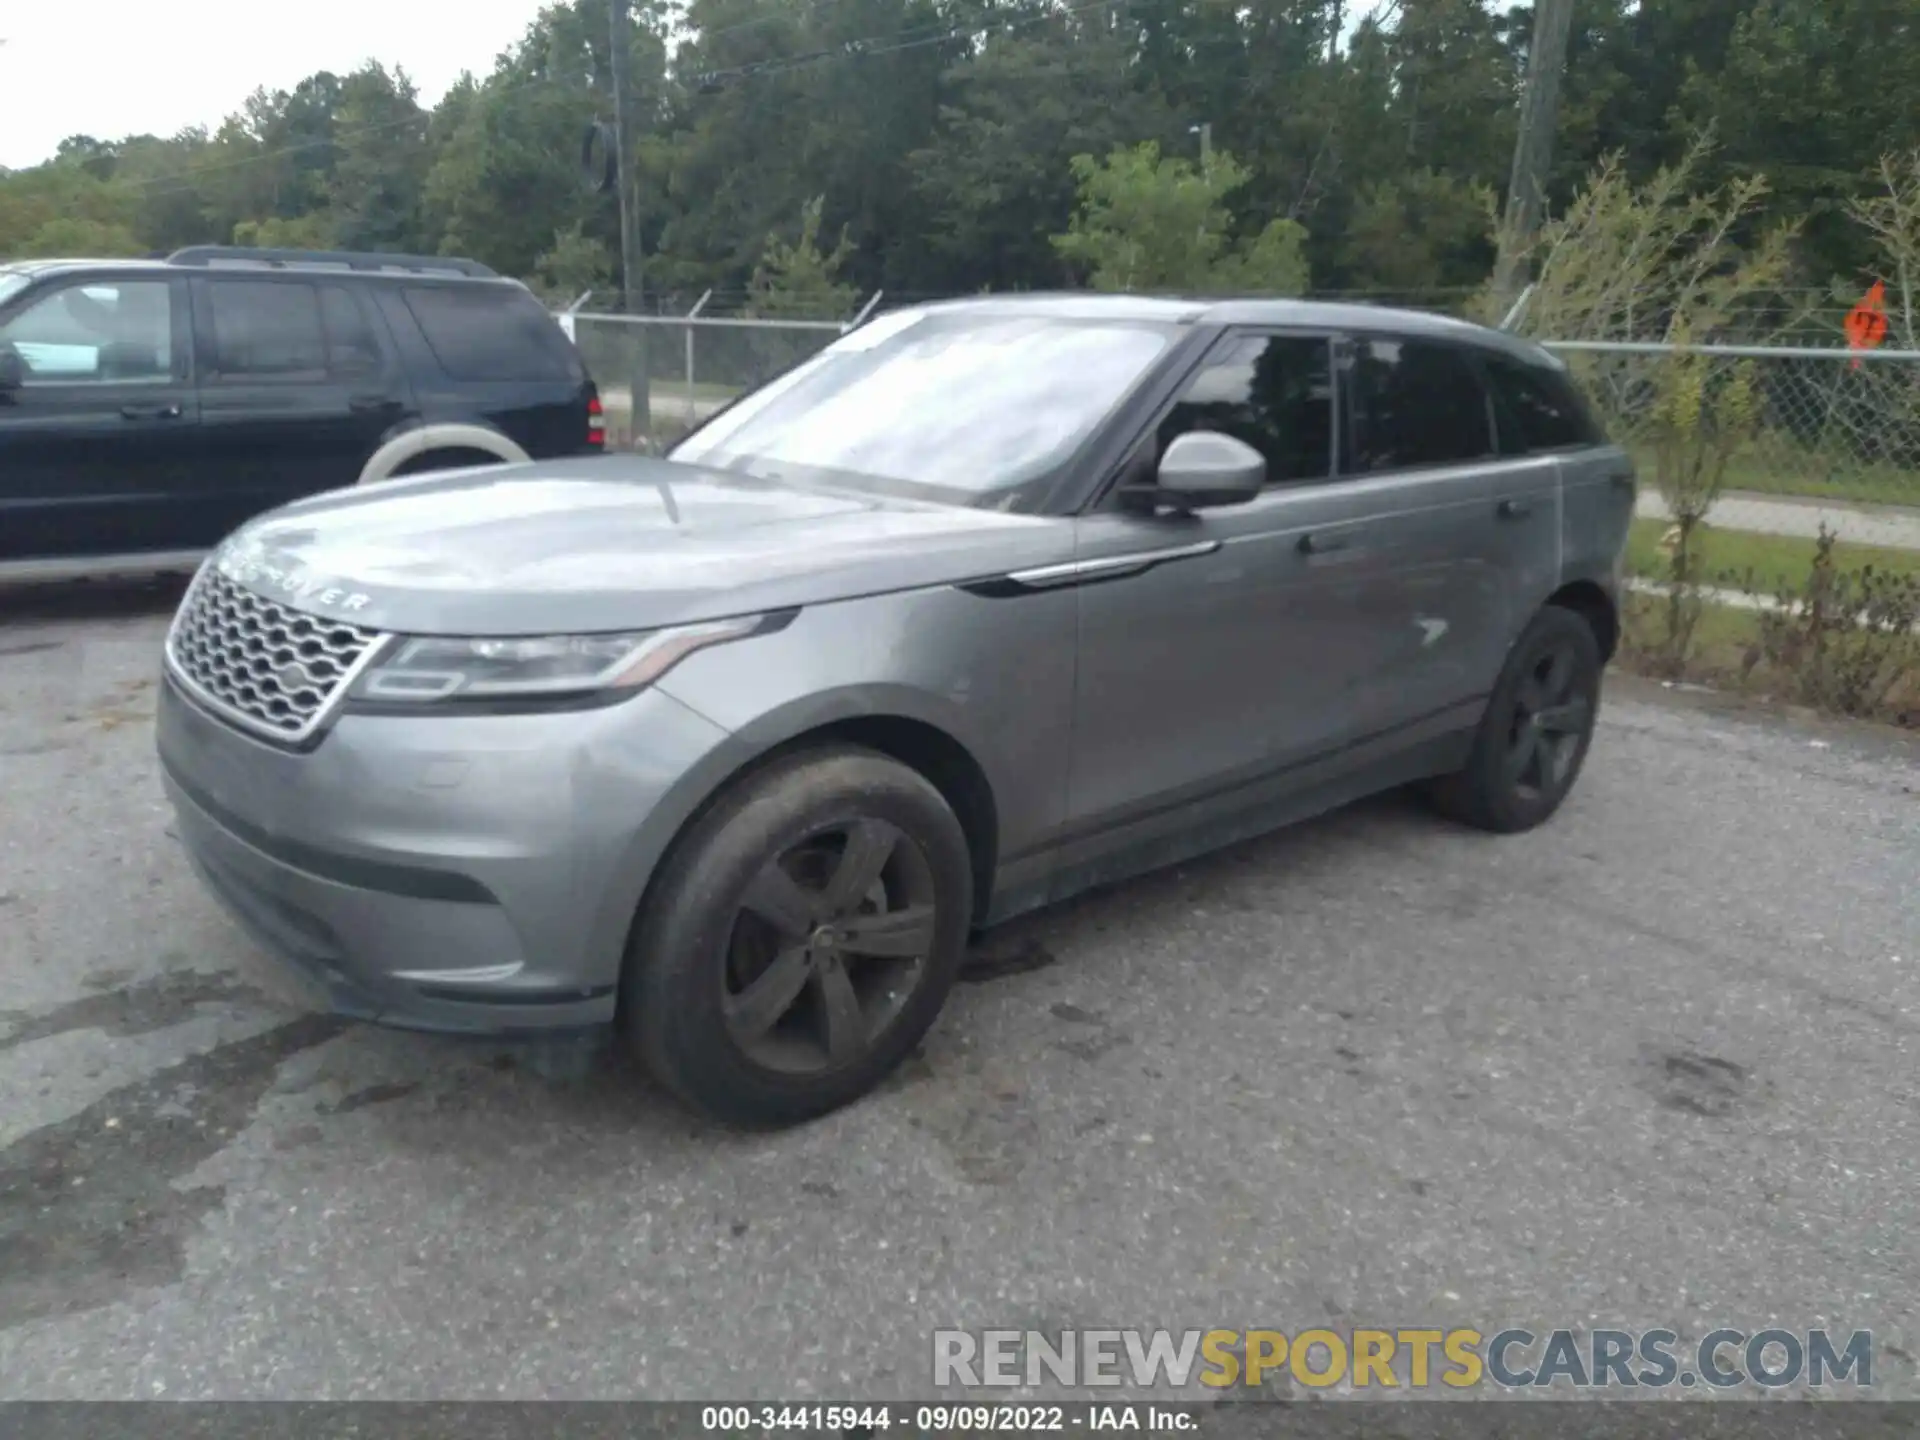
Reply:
x=1782, y=468
x=1726, y=655
x=1775, y=560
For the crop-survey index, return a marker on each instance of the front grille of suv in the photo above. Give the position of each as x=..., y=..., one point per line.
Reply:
x=271, y=669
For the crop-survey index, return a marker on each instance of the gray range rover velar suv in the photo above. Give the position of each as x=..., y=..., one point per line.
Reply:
x=987, y=603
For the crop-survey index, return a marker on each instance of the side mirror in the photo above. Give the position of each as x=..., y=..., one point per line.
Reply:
x=13, y=370
x=1204, y=468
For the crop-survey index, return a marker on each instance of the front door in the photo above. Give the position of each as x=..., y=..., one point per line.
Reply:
x=100, y=441
x=1221, y=650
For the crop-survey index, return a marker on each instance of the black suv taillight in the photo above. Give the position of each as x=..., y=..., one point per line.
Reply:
x=596, y=421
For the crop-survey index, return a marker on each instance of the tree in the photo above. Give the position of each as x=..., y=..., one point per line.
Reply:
x=1666, y=261
x=576, y=264
x=943, y=134
x=1149, y=223
x=380, y=163
x=995, y=176
x=800, y=279
x=1421, y=234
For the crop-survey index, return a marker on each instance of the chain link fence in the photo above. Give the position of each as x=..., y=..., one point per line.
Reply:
x=1831, y=424
x=691, y=367
x=1825, y=423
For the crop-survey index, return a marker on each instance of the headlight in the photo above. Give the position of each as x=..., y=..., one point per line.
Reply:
x=421, y=671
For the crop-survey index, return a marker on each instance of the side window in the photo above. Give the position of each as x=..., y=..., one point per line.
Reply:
x=116, y=333
x=1273, y=391
x=266, y=330
x=1535, y=409
x=1415, y=403
x=351, y=349
x=491, y=333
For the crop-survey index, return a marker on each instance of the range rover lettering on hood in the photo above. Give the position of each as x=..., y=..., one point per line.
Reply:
x=248, y=570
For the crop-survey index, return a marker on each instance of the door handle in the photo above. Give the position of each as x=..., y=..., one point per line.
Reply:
x=150, y=412
x=372, y=402
x=1515, y=509
x=1311, y=544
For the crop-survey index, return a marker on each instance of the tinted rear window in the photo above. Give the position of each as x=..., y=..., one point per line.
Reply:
x=1415, y=403
x=1537, y=408
x=490, y=332
x=267, y=328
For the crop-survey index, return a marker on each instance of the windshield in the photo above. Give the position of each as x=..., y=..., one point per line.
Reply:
x=12, y=282
x=968, y=407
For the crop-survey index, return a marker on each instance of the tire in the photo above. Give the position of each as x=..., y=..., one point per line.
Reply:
x=1520, y=769
x=722, y=914
x=428, y=461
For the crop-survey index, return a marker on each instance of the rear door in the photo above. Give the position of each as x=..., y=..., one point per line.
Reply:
x=1463, y=534
x=296, y=392
x=497, y=358
x=98, y=446
x=1540, y=413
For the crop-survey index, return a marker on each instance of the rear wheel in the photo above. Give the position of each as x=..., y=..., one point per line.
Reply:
x=800, y=939
x=1534, y=736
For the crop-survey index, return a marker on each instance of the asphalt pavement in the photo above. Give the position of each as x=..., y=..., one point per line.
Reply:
x=1654, y=1065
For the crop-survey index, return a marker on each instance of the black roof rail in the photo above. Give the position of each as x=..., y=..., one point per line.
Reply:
x=242, y=256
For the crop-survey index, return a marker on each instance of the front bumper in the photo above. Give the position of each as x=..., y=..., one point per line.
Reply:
x=472, y=874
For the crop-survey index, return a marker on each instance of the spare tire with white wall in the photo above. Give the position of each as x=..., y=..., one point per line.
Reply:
x=415, y=451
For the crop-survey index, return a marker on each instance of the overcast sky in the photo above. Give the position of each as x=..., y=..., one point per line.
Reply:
x=164, y=67
x=136, y=67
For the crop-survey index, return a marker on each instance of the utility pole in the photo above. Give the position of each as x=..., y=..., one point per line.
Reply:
x=1533, y=147
x=639, y=391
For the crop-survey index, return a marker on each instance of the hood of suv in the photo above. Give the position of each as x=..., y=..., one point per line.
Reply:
x=611, y=543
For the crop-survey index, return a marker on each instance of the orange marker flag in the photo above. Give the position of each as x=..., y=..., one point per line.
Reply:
x=1867, y=321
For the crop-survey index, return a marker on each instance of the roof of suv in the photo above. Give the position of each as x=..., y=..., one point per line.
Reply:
x=1307, y=314
x=243, y=260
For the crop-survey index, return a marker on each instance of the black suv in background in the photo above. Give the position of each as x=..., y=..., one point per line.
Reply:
x=148, y=408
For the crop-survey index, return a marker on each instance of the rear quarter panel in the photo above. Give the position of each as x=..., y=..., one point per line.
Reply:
x=1598, y=488
x=547, y=418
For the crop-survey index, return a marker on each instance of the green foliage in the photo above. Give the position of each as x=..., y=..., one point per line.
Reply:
x=1664, y=261
x=1425, y=231
x=575, y=264
x=799, y=279
x=308, y=232
x=943, y=134
x=1845, y=638
x=1148, y=222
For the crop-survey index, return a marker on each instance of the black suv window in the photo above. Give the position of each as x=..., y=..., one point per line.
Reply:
x=111, y=332
x=1275, y=392
x=267, y=329
x=491, y=332
x=1415, y=403
x=1536, y=408
x=351, y=348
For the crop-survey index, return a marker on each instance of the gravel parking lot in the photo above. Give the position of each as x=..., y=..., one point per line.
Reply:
x=1654, y=1065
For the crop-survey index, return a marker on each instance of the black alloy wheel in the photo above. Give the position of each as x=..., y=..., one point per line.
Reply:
x=832, y=938
x=1552, y=719
x=1535, y=732
x=800, y=937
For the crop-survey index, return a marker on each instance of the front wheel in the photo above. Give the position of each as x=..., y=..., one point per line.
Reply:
x=1534, y=736
x=800, y=939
